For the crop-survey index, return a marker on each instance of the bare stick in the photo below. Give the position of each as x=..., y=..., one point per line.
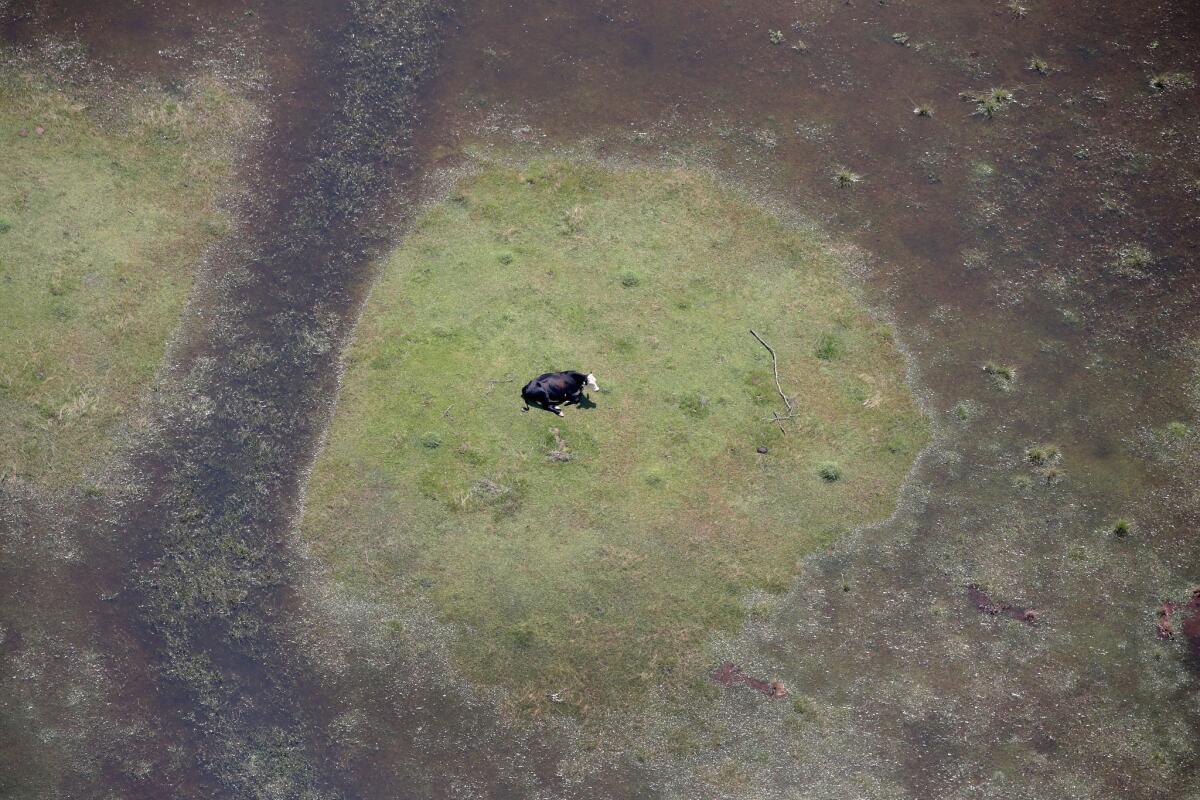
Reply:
x=509, y=378
x=775, y=369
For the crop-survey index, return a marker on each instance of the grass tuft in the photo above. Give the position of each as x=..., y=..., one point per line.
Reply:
x=829, y=472
x=1168, y=81
x=1002, y=375
x=845, y=178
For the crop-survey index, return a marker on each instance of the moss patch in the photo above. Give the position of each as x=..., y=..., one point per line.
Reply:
x=586, y=559
x=101, y=225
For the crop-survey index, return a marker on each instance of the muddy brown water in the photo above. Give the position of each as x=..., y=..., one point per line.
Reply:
x=978, y=233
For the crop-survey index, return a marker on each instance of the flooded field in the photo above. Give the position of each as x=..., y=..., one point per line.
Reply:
x=1015, y=187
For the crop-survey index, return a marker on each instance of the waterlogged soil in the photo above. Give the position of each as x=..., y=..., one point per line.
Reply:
x=1052, y=241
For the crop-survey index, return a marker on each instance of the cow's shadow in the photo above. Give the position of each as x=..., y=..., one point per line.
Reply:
x=583, y=402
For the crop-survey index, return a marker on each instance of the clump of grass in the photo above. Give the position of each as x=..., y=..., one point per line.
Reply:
x=1038, y=65
x=776, y=37
x=1052, y=475
x=694, y=404
x=1042, y=454
x=5, y=225
x=990, y=103
x=431, y=441
x=900, y=39
x=1046, y=462
x=630, y=279
x=1017, y=9
x=923, y=110
x=1002, y=374
x=829, y=471
x=1177, y=429
x=963, y=410
x=829, y=347
x=845, y=178
x=1167, y=81
x=1122, y=527
x=982, y=170
x=1133, y=259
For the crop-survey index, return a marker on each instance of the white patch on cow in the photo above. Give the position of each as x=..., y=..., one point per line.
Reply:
x=591, y=381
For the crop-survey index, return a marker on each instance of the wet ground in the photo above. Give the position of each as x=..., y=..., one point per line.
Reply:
x=1057, y=238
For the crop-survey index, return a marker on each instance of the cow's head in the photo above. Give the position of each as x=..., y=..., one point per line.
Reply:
x=591, y=381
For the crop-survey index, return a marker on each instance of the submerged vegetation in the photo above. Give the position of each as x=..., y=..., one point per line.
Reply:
x=588, y=558
x=102, y=225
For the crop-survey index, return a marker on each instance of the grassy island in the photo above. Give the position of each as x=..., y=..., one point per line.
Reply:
x=584, y=560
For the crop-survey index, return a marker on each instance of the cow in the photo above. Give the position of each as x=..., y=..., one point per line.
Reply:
x=554, y=389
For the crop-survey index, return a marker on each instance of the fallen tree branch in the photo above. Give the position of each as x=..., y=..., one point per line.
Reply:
x=775, y=369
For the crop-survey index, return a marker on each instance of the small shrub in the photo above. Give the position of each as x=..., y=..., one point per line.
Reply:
x=505, y=258
x=776, y=37
x=829, y=472
x=630, y=279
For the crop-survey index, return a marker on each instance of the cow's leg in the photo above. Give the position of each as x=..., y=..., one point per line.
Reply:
x=556, y=410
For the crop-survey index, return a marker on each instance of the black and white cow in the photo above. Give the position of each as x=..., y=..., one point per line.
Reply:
x=555, y=389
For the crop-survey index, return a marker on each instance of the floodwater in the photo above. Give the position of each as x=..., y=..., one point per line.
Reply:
x=1005, y=240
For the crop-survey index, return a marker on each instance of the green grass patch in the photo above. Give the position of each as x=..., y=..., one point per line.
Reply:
x=587, y=559
x=101, y=225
